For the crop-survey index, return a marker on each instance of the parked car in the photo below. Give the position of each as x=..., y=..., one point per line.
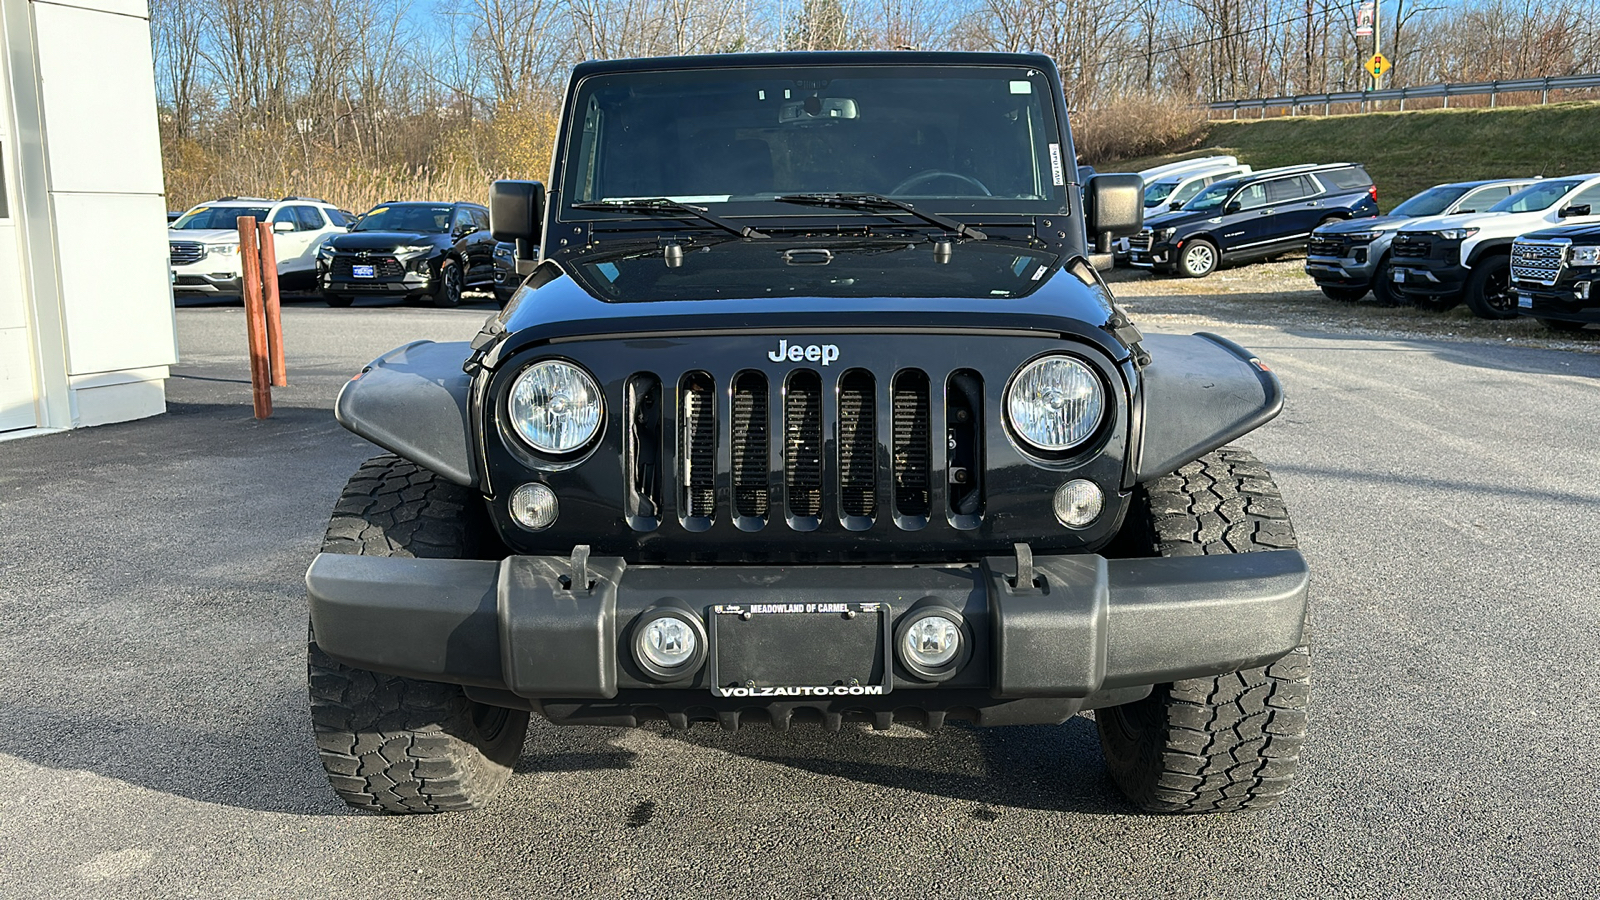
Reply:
x=1256, y=216
x=204, y=242
x=1348, y=259
x=412, y=250
x=506, y=278
x=1437, y=263
x=1171, y=186
x=1553, y=275
x=775, y=442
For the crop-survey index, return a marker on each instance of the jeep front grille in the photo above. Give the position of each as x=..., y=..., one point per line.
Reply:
x=824, y=431
x=185, y=252
x=1538, y=262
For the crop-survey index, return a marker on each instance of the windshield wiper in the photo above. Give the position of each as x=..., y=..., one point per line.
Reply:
x=660, y=205
x=879, y=203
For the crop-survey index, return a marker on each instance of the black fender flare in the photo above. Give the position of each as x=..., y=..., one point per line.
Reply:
x=1488, y=247
x=415, y=401
x=1198, y=393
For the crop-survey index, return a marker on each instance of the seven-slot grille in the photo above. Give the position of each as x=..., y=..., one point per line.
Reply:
x=185, y=252
x=1537, y=261
x=1325, y=246
x=1141, y=242
x=383, y=266
x=1411, y=246
x=792, y=444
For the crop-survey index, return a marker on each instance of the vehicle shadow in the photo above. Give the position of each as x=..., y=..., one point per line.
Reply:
x=1046, y=767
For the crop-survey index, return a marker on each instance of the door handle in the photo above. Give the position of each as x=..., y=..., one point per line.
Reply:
x=1314, y=203
x=1266, y=212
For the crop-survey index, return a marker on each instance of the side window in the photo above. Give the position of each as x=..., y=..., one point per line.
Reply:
x=1187, y=192
x=1351, y=179
x=1251, y=197
x=480, y=218
x=1589, y=196
x=1483, y=198
x=1283, y=190
x=459, y=220
x=285, y=214
x=309, y=218
x=336, y=217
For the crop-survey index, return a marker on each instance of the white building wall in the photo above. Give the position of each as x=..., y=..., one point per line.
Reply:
x=89, y=209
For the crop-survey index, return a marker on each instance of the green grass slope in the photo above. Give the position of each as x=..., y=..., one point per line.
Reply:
x=1406, y=152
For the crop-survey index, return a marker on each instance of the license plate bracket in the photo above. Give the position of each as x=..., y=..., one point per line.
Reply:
x=791, y=651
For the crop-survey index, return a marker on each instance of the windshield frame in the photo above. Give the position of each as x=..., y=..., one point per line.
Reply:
x=1568, y=185
x=1051, y=131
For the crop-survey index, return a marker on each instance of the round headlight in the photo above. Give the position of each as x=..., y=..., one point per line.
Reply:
x=1055, y=403
x=555, y=406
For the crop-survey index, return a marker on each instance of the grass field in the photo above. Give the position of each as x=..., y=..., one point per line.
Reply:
x=1406, y=152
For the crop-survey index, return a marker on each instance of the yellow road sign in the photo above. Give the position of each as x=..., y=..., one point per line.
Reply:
x=1377, y=65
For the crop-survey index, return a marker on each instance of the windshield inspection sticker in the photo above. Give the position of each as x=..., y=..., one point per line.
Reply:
x=1056, y=174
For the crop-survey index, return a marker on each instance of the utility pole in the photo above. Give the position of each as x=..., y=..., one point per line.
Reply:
x=1377, y=38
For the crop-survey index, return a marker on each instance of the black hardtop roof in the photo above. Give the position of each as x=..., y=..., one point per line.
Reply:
x=815, y=58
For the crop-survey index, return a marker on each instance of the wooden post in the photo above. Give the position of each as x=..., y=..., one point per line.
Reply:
x=254, y=317
x=269, y=294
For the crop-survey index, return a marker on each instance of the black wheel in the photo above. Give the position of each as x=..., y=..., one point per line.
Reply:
x=1345, y=294
x=1382, y=287
x=1561, y=325
x=1198, y=259
x=393, y=744
x=447, y=294
x=1489, y=293
x=1231, y=742
x=337, y=301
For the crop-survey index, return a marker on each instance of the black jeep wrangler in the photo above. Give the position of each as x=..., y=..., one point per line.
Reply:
x=811, y=410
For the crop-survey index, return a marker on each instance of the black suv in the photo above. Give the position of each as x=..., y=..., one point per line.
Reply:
x=410, y=250
x=1255, y=216
x=813, y=411
x=1554, y=273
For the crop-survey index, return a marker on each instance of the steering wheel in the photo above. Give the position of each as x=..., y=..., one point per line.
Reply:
x=905, y=187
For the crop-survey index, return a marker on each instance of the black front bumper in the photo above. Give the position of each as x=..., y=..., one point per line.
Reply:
x=1430, y=276
x=1561, y=303
x=553, y=635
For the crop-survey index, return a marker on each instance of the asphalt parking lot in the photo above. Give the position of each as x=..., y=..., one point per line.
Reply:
x=155, y=742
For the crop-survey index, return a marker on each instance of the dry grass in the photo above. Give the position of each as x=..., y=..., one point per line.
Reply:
x=1137, y=125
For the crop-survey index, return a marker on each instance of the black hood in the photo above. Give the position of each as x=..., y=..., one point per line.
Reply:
x=1578, y=234
x=882, y=283
x=383, y=240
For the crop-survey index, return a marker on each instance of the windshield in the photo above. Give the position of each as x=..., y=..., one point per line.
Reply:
x=969, y=137
x=1430, y=202
x=420, y=218
x=1212, y=197
x=225, y=217
x=1158, y=192
x=1535, y=197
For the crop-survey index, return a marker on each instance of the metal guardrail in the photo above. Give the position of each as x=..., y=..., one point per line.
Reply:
x=1493, y=88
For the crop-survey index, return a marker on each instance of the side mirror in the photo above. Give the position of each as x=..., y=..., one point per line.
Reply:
x=1174, y=205
x=1114, y=207
x=282, y=227
x=1577, y=209
x=465, y=230
x=1233, y=207
x=516, y=211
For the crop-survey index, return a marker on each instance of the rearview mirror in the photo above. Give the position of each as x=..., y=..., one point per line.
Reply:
x=516, y=211
x=816, y=109
x=1114, y=207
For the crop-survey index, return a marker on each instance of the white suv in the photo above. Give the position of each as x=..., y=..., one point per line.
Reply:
x=1437, y=263
x=204, y=242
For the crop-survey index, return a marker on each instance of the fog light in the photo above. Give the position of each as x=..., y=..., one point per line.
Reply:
x=668, y=644
x=931, y=642
x=1582, y=288
x=534, y=506
x=1078, y=502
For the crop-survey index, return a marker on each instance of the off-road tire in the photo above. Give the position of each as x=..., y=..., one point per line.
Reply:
x=1192, y=261
x=338, y=301
x=447, y=293
x=1231, y=742
x=1343, y=294
x=1489, y=294
x=393, y=744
